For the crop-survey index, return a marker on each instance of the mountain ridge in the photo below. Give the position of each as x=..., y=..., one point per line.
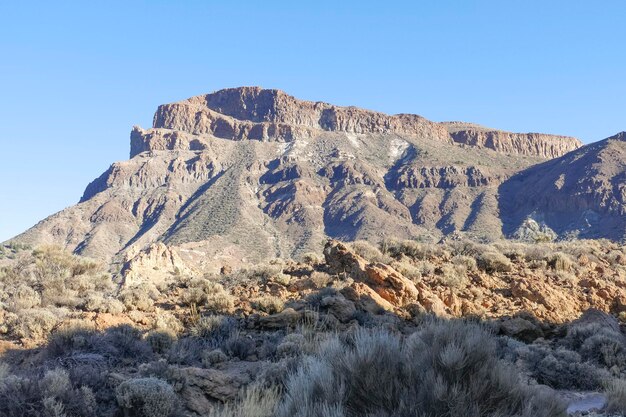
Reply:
x=250, y=174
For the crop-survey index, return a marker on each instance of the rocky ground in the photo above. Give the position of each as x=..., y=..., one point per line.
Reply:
x=551, y=311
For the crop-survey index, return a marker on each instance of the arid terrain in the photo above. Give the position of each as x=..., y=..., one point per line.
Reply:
x=262, y=256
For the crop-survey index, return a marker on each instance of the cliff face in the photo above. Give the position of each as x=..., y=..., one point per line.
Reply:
x=258, y=114
x=248, y=173
x=537, y=144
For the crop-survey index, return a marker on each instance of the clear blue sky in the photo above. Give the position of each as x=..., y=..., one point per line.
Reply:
x=75, y=77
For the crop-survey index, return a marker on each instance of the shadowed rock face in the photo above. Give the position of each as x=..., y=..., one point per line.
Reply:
x=582, y=193
x=247, y=174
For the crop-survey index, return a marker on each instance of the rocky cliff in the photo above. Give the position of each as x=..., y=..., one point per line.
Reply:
x=255, y=113
x=248, y=173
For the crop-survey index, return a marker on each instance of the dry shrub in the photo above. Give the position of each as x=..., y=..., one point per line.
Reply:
x=161, y=340
x=266, y=271
x=466, y=261
x=217, y=327
x=414, y=250
x=167, y=321
x=269, y=304
x=282, y=279
x=222, y=302
x=212, y=357
x=560, y=261
x=558, y=368
x=616, y=257
x=493, y=262
x=291, y=345
x=50, y=394
x=255, y=401
x=199, y=289
x=445, y=369
x=425, y=268
x=566, y=277
x=311, y=258
x=139, y=298
x=22, y=297
x=368, y=252
x=146, y=397
x=101, y=304
x=407, y=269
x=616, y=395
x=454, y=276
x=539, y=252
x=33, y=324
x=320, y=279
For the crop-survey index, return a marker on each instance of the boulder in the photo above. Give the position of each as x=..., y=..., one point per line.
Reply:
x=337, y=305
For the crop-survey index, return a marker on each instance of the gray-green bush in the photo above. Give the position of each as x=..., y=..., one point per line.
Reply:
x=444, y=369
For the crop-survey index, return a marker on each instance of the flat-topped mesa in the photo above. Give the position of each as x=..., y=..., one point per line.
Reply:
x=260, y=114
x=255, y=113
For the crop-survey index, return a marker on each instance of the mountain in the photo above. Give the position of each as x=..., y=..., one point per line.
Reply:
x=581, y=194
x=247, y=173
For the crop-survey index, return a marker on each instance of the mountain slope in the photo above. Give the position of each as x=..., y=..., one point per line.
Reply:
x=581, y=194
x=249, y=173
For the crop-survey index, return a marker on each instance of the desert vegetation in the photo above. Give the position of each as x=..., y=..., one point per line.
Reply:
x=328, y=336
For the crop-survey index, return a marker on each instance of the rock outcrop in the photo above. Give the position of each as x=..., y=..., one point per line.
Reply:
x=525, y=289
x=388, y=283
x=547, y=146
x=157, y=263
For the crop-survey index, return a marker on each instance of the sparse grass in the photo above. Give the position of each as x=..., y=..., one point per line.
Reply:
x=616, y=395
x=413, y=249
x=256, y=401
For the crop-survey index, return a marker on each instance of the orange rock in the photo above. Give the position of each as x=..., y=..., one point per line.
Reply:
x=366, y=298
x=105, y=320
